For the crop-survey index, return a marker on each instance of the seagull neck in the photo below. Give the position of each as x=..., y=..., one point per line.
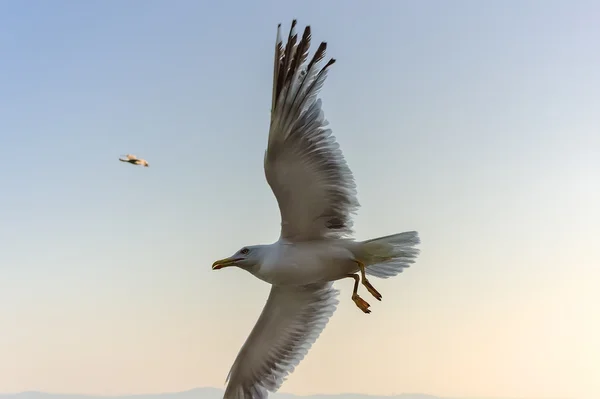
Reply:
x=262, y=255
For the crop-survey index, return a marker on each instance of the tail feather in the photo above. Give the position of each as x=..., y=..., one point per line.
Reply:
x=387, y=256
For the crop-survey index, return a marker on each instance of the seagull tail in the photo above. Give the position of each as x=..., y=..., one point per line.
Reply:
x=387, y=256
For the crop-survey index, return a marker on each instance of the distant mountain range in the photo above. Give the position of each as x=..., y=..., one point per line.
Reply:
x=211, y=393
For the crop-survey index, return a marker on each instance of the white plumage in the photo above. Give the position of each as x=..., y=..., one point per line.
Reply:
x=316, y=193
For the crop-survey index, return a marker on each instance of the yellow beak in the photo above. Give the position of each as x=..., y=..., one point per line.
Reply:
x=224, y=263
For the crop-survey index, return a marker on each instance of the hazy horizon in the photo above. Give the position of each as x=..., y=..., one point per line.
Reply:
x=210, y=392
x=475, y=124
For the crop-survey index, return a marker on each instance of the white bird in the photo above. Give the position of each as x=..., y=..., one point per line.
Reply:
x=316, y=193
x=134, y=160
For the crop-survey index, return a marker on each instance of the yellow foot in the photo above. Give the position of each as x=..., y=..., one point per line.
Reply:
x=361, y=303
x=372, y=289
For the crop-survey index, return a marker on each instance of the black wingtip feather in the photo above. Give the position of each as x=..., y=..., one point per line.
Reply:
x=292, y=56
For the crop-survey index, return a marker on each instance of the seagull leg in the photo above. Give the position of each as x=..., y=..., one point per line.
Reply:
x=366, y=282
x=361, y=303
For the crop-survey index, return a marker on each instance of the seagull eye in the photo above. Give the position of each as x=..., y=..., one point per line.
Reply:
x=244, y=251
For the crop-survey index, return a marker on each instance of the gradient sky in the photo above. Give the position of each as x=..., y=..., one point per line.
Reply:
x=475, y=123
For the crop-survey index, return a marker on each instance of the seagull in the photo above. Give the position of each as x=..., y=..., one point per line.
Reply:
x=316, y=194
x=134, y=160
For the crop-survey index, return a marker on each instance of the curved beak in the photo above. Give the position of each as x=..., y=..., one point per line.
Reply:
x=224, y=263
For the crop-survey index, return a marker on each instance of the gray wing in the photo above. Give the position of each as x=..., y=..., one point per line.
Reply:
x=303, y=163
x=291, y=321
x=128, y=158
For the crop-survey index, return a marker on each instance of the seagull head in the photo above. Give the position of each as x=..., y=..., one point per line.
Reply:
x=145, y=163
x=244, y=258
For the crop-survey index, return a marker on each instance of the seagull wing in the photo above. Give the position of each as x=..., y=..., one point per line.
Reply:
x=303, y=163
x=291, y=321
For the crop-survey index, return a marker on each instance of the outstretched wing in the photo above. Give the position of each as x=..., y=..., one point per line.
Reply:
x=291, y=321
x=303, y=163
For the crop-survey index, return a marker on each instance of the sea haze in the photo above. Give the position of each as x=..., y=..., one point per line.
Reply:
x=215, y=393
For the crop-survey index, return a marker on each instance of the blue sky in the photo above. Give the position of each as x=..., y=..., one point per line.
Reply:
x=474, y=123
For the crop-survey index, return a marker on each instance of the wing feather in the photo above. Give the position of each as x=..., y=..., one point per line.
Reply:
x=291, y=321
x=278, y=59
x=304, y=164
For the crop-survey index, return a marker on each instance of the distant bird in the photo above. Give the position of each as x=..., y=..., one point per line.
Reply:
x=316, y=193
x=134, y=160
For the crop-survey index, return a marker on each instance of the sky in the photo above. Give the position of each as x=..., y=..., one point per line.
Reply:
x=474, y=123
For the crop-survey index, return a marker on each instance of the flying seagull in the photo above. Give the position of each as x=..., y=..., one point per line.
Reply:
x=134, y=160
x=316, y=193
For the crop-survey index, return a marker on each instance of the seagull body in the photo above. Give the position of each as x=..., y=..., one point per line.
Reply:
x=287, y=263
x=132, y=159
x=316, y=194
